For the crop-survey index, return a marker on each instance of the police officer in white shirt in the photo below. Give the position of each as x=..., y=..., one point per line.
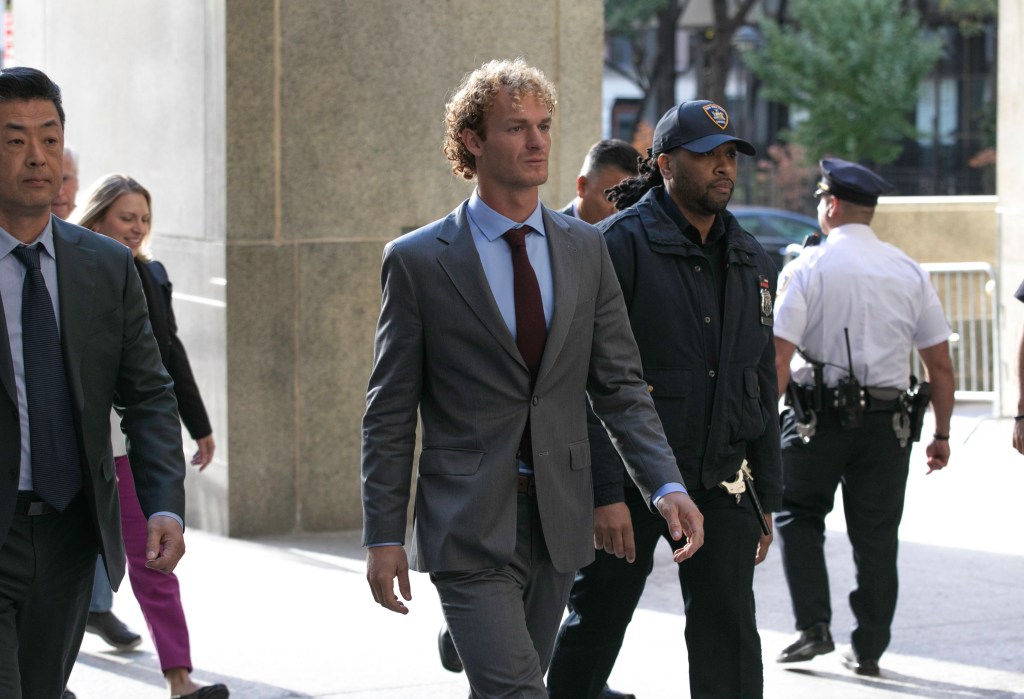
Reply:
x=849, y=313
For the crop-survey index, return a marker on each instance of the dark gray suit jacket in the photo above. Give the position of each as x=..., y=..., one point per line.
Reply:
x=111, y=357
x=444, y=354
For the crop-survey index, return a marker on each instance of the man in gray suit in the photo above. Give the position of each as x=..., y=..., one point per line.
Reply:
x=496, y=322
x=74, y=337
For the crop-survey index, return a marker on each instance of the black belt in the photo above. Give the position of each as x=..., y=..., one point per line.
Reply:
x=526, y=485
x=29, y=504
x=876, y=400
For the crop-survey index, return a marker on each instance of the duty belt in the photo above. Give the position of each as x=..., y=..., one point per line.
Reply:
x=902, y=405
x=875, y=399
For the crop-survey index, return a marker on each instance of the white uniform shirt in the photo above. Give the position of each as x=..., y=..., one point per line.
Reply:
x=853, y=280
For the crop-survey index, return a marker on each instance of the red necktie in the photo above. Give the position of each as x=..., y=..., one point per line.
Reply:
x=531, y=327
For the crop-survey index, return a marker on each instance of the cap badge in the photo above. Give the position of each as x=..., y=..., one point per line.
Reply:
x=717, y=114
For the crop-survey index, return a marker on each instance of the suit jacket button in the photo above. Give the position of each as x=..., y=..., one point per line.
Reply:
x=536, y=400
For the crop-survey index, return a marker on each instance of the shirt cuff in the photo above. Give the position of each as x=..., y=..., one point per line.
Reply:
x=665, y=490
x=176, y=518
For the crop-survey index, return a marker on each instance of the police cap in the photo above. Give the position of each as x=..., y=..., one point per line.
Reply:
x=851, y=182
x=699, y=126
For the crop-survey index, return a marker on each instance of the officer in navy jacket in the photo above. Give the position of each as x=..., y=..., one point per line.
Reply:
x=699, y=292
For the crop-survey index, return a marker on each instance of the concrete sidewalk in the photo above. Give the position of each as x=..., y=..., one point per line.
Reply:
x=293, y=616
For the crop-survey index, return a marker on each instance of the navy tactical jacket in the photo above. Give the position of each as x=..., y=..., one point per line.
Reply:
x=710, y=371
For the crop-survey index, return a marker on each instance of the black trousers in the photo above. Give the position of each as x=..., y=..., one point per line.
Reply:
x=722, y=642
x=871, y=467
x=46, y=574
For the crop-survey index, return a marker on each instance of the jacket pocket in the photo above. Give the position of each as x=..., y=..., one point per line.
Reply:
x=579, y=455
x=753, y=416
x=680, y=418
x=435, y=461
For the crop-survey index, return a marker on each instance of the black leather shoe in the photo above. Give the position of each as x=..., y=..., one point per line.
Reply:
x=450, y=659
x=68, y=694
x=861, y=666
x=112, y=630
x=213, y=691
x=610, y=693
x=816, y=640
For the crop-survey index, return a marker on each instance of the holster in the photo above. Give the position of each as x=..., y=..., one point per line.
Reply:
x=918, y=397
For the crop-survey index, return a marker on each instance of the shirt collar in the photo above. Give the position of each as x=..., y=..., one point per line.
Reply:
x=685, y=227
x=493, y=225
x=8, y=242
x=849, y=230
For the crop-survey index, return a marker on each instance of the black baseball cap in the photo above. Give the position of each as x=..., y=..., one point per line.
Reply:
x=851, y=182
x=698, y=126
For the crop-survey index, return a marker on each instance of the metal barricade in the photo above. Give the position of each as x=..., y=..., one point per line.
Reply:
x=967, y=291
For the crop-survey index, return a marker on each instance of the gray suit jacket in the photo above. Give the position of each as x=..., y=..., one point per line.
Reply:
x=111, y=357
x=442, y=348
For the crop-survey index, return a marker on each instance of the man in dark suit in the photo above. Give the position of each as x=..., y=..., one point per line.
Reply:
x=607, y=163
x=76, y=338
x=494, y=322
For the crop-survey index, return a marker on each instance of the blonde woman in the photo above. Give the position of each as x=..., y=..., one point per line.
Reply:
x=119, y=207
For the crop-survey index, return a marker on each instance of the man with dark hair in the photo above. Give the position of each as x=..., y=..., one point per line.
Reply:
x=699, y=291
x=851, y=310
x=607, y=163
x=76, y=337
x=495, y=321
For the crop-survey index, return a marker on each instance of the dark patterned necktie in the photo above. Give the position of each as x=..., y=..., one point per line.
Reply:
x=56, y=470
x=531, y=327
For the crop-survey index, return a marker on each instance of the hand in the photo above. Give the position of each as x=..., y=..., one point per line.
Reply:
x=938, y=454
x=765, y=541
x=683, y=518
x=613, y=530
x=383, y=565
x=165, y=544
x=204, y=456
x=1018, y=435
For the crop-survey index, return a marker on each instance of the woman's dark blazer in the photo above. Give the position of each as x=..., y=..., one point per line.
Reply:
x=157, y=288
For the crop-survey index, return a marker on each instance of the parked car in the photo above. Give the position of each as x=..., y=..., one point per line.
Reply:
x=775, y=229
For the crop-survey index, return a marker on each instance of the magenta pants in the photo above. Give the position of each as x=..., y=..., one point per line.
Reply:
x=158, y=593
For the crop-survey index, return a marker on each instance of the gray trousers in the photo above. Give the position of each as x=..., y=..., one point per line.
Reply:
x=504, y=620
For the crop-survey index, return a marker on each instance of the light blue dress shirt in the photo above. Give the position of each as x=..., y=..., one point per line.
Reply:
x=487, y=226
x=12, y=281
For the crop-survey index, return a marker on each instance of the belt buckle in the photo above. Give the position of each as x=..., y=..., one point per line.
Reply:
x=526, y=485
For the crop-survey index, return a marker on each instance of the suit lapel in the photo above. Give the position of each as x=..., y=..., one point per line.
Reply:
x=76, y=275
x=6, y=362
x=565, y=271
x=461, y=262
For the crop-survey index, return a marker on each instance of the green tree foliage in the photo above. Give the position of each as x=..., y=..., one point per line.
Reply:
x=851, y=69
x=970, y=15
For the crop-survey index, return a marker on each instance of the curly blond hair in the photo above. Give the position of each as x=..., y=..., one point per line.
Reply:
x=471, y=102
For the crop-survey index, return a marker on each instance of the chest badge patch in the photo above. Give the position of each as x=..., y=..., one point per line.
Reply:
x=766, y=301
